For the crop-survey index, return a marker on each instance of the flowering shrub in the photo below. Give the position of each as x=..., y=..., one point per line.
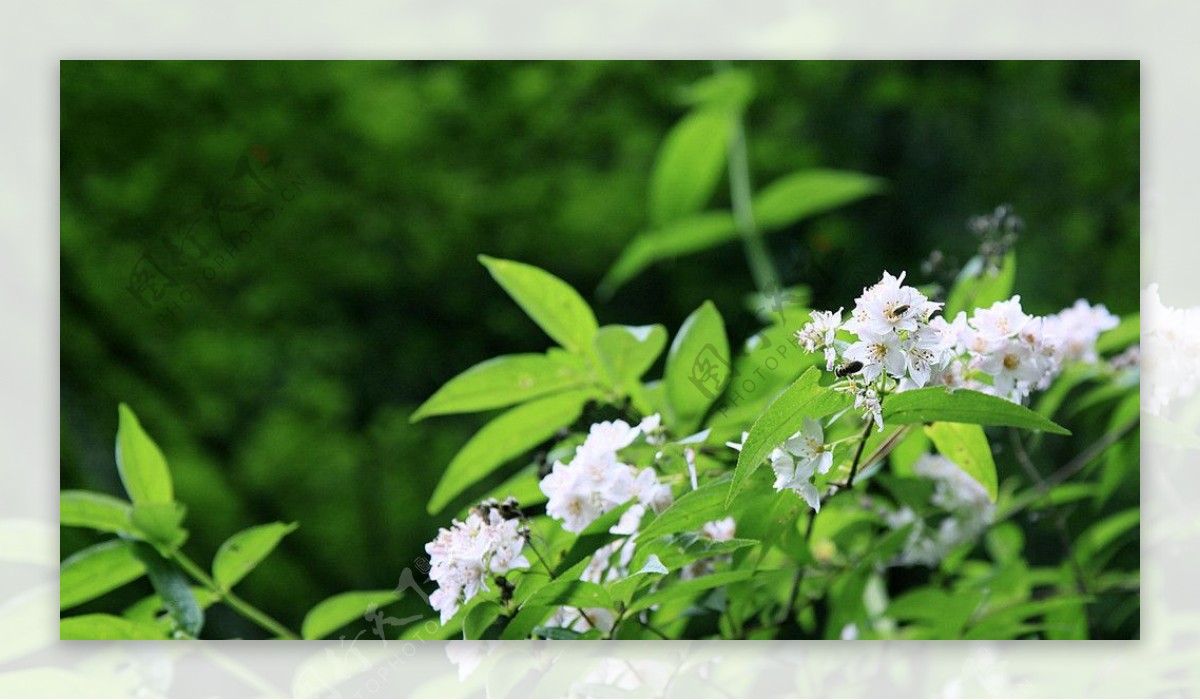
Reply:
x=649, y=516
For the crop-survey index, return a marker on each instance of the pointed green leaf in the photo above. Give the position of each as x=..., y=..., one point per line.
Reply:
x=92, y=572
x=97, y=511
x=689, y=512
x=963, y=406
x=688, y=588
x=141, y=464
x=511, y=434
x=809, y=192
x=690, y=164
x=241, y=553
x=502, y=381
x=161, y=523
x=698, y=367
x=674, y=238
x=626, y=352
x=332, y=614
x=173, y=589
x=110, y=627
x=552, y=303
x=805, y=398
x=624, y=589
x=966, y=445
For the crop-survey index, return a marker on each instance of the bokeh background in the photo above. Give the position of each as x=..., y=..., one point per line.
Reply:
x=281, y=390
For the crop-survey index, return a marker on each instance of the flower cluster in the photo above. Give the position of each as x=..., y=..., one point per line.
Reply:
x=595, y=481
x=900, y=344
x=1017, y=351
x=489, y=542
x=894, y=339
x=964, y=499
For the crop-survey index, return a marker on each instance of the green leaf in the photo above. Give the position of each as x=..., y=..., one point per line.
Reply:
x=332, y=614
x=575, y=594
x=730, y=88
x=1127, y=332
x=626, y=352
x=161, y=523
x=92, y=572
x=679, y=237
x=479, y=619
x=141, y=464
x=100, y=626
x=97, y=511
x=550, y=302
x=1099, y=538
x=963, y=406
x=689, y=512
x=967, y=446
x=241, y=553
x=689, y=588
x=172, y=587
x=805, y=398
x=979, y=287
x=689, y=164
x=624, y=589
x=507, y=436
x=698, y=367
x=809, y=192
x=502, y=381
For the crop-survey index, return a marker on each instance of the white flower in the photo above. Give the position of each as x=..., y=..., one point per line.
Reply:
x=1015, y=366
x=462, y=556
x=719, y=530
x=877, y=354
x=1075, y=329
x=1000, y=321
x=809, y=446
x=595, y=481
x=868, y=402
x=795, y=476
x=609, y=436
x=889, y=306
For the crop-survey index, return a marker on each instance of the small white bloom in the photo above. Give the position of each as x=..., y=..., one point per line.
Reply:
x=809, y=446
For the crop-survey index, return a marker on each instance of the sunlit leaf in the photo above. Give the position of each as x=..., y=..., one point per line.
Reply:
x=97, y=511
x=967, y=446
x=108, y=627
x=626, y=352
x=92, y=572
x=963, y=406
x=241, y=553
x=698, y=367
x=690, y=164
x=141, y=464
x=512, y=433
x=502, y=381
x=674, y=238
x=552, y=303
x=340, y=610
x=806, y=193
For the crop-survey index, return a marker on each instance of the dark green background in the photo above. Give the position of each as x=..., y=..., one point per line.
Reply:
x=282, y=389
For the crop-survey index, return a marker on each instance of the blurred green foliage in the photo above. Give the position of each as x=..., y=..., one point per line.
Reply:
x=281, y=390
